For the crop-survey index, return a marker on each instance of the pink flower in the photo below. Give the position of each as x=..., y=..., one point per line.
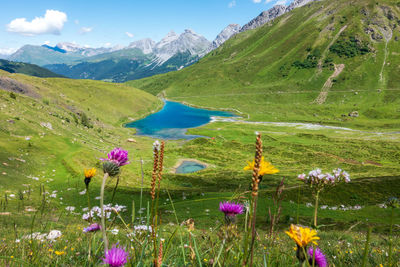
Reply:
x=320, y=259
x=116, y=257
x=118, y=156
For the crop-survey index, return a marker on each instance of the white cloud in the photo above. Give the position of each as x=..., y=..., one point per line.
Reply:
x=232, y=4
x=52, y=23
x=130, y=35
x=268, y=1
x=107, y=44
x=76, y=21
x=46, y=42
x=256, y=1
x=7, y=51
x=281, y=2
x=84, y=30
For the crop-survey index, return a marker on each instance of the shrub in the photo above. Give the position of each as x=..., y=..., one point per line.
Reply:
x=350, y=47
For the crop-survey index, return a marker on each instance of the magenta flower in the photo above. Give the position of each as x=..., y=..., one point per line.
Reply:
x=320, y=259
x=92, y=228
x=118, y=156
x=231, y=208
x=116, y=257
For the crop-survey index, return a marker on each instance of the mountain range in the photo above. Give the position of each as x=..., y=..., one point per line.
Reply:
x=141, y=58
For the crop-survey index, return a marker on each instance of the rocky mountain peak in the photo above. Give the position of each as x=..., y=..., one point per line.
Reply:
x=172, y=44
x=274, y=12
x=146, y=45
x=224, y=35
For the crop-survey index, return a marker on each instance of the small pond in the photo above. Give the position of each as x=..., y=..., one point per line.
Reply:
x=189, y=166
x=173, y=120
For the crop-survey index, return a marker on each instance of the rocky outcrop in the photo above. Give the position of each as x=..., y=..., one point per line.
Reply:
x=273, y=13
x=224, y=35
x=171, y=44
x=146, y=45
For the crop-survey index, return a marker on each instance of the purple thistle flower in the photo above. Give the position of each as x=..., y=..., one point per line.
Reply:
x=116, y=257
x=92, y=228
x=118, y=156
x=320, y=259
x=231, y=208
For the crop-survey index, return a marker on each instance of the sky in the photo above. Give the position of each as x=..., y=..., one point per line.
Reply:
x=105, y=23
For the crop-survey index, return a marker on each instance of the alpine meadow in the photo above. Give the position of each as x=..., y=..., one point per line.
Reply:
x=276, y=144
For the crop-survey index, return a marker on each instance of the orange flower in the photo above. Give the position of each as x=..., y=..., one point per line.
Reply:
x=302, y=235
x=89, y=173
x=265, y=167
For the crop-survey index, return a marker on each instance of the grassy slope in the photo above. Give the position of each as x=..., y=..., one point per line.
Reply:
x=25, y=68
x=69, y=147
x=253, y=71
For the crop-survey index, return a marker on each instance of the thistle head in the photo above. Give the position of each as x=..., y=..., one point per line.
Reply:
x=111, y=168
x=115, y=159
x=116, y=257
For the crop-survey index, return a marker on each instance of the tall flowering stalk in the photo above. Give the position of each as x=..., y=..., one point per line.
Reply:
x=259, y=167
x=89, y=174
x=318, y=181
x=111, y=167
x=158, y=151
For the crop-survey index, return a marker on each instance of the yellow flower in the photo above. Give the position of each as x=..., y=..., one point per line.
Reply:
x=89, y=173
x=302, y=235
x=59, y=253
x=265, y=167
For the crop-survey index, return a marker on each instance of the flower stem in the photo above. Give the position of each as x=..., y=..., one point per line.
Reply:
x=364, y=261
x=103, y=224
x=89, y=206
x=316, y=209
x=390, y=238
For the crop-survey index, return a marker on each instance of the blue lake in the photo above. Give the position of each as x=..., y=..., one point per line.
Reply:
x=173, y=120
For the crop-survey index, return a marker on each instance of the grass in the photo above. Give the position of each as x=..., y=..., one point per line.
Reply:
x=253, y=72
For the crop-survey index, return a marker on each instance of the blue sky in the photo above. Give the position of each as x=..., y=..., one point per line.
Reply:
x=117, y=22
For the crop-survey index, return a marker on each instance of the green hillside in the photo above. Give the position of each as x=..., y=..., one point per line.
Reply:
x=63, y=125
x=317, y=63
x=25, y=68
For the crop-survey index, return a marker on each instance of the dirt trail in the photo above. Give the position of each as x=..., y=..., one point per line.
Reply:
x=328, y=84
x=387, y=34
x=327, y=48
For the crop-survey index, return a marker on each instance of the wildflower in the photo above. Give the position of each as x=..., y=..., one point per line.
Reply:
x=320, y=259
x=70, y=208
x=115, y=159
x=118, y=156
x=92, y=228
x=116, y=257
x=230, y=209
x=265, y=167
x=302, y=235
x=89, y=174
x=59, y=253
x=54, y=234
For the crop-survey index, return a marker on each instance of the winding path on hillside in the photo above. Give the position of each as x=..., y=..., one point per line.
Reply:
x=321, y=60
x=328, y=84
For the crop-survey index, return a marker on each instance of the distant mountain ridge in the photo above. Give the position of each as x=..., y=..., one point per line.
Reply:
x=139, y=59
x=173, y=52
